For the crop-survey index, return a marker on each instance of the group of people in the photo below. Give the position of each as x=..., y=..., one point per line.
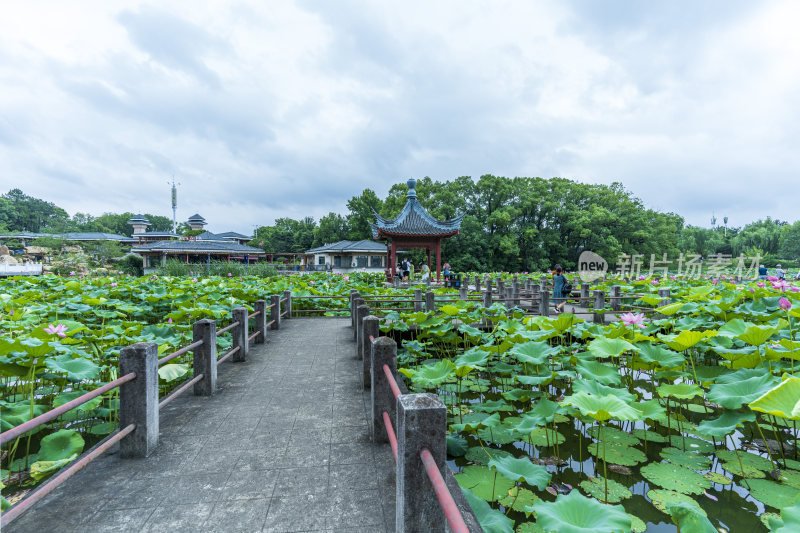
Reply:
x=406, y=270
x=763, y=272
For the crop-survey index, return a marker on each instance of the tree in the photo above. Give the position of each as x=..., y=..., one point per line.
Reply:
x=20, y=212
x=332, y=228
x=361, y=214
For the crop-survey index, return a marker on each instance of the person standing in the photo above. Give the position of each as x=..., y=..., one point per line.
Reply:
x=426, y=272
x=779, y=273
x=559, y=280
x=762, y=272
x=406, y=269
x=411, y=270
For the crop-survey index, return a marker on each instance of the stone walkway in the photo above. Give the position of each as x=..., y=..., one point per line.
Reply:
x=283, y=446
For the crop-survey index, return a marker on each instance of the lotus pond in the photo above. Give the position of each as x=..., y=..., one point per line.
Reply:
x=558, y=424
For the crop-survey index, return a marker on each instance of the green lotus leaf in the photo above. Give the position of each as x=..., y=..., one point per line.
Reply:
x=597, y=389
x=686, y=339
x=782, y=400
x=66, y=397
x=734, y=328
x=716, y=477
x=606, y=347
x=681, y=391
x=456, y=446
x=528, y=423
x=651, y=410
x=658, y=355
x=491, y=520
x=744, y=470
x=60, y=445
x=751, y=459
x=688, y=459
x=534, y=380
x=613, y=435
x=43, y=469
x=671, y=309
x=691, y=444
x=600, y=372
x=173, y=371
x=498, y=435
x=484, y=483
x=675, y=477
x=433, y=374
x=492, y=406
x=772, y=493
x=481, y=421
x=790, y=477
x=741, y=387
x=688, y=518
x=545, y=437
x=789, y=521
x=649, y=435
x=575, y=513
x=79, y=369
x=596, y=487
x=482, y=455
x=618, y=454
x=521, y=469
x=725, y=424
x=472, y=358
x=519, y=499
x=757, y=335
x=545, y=409
x=535, y=353
x=14, y=414
x=662, y=497
x=601, y=408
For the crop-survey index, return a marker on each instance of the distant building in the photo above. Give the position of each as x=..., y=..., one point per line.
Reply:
x=90, y=236
x=142, y=236
x=348, y=256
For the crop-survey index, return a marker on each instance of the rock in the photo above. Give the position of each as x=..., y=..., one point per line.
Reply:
x=9, y=260
x=4, y=250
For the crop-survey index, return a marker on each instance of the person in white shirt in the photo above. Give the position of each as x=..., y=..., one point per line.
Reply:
x=779, y=273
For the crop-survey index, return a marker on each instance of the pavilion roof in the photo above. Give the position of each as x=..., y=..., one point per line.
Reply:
x=414, y=221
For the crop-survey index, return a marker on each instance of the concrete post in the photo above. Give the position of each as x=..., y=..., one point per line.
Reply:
x=353, y=294
x=477, y=283
x=462, y=292
x=396, y=282
x=239, y=334
x=275, y=311
x=358, y=302
x=515, y=292
x=430, y=302
x=260, y=307
x=417, y=300
x=585, y=299
x=370, y=327
x=543, y=283
x=599, y=303
x=528, y=285
x=487, y=298
x=501, y=288
x=384, y=352
x=361, y=314
x=138, y=399
x=544, y=303
x=421, y=424
x=205, y=356
x=488, y=284
x=288, y=303
x=666, y=301
x=616, y=303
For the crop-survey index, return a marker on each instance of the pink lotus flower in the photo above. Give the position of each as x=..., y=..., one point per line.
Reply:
x=56, y=330
x=672, y=278
x=784, y=303
x=794, y=289
x=633, y=319
x=760, y=284
x=169, y=320
x=752, y=289
x=71, y=272
x=654, y=282
x=716, y=281
x=346, y=278
x=780, y=285
x=642, y=278
x=114, y=284
x=772, y=278
x=311, y=282
x=229, y=274
x=194, y=279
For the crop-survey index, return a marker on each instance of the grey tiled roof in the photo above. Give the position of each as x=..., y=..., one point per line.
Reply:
x=93, y=236
x=197, y=247
x=156, y=234
x=414, y=220
x=350, y=246
x=197, y=218
x=233, y=235
x=208, y=236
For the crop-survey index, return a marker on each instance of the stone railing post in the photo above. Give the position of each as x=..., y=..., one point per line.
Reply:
x=288, y=303
x=138, y=399
x=616, y=302
x=585, y=299
x=384, y=352
x=665, y=293
x=462, y=293
x=396, y=282
x=359, y=301
x=430, y=302
x=477, y=283
x=418, y=300
x=599, y=303
x=361, y=314
x=353, y=294
x=488, y=284
x=205, y=356
x=544, y=303
x=501, y=287
x=421, y=424
x=487, y=298
x=275, y=311
x=239, y=334
x=370, y=327
x=515, y=293
x=260, y=307
x=528, y=285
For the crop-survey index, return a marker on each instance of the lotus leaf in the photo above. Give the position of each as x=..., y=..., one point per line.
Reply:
x=662, y=497
x=658, y=355
x=612, y=434
x=484, y=483
x=492, y=406
x=433, y=374
x=42, y=469
x=600, y=372
x=772, y=493
x=491, y=520
x=649, y=435
x=498, y=435
x=790, y=477
x=546, y=437
x=788, y=521
x=534, y=380
x=76, y=369
x=521, y=469
x=681, y=391
x=173, y=371
x=535, y=353
x=596, y=389
x=691, y=444
x=650, y=410
x=738, y=388
x=601, y=408
x=472, y=358
x=60, y=445
x=618, y=454
x=716, y=477
x=606, y=347
x=66, y=397
x=575, y=513
x=689, y=518
x=675, y=477
x=782, y=401
x=757, y=335
x=745, y=470
x=477, y=421
x=520, y=500
x=686, y=339
x=456, y=446
x=725, y=424
x=688, y=459
x=481, y=455
x=596, y=487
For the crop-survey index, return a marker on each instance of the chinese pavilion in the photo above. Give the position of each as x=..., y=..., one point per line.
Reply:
x=414, y=227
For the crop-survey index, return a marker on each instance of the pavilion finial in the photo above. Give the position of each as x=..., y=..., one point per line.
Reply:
x=411, y=192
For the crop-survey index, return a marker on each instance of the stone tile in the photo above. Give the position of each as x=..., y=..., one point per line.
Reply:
x=350, y=477
x=243, y=516
x=300, y=480
x=118, y=520
x=189, y=517
x=197, y=488
x=250, y=485
x=343, y=453
x=354, y=509
x=360, y=433
x=302, y=512
x=139, y=492
x=260, y=459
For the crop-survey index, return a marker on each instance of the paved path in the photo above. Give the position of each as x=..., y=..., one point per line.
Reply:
x=283, y=446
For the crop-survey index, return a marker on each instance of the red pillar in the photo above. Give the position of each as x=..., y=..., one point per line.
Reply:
x=438, y=261
x=393, y=259
x=430, y=269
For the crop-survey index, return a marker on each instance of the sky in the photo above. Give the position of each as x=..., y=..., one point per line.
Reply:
x=270, y=109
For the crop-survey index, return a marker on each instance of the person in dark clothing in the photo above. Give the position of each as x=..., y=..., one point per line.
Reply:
x=559, y=280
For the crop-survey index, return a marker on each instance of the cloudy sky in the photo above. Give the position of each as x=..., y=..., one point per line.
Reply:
x=289, y=108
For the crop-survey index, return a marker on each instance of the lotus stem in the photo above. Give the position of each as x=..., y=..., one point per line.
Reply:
x=780, y=442
x=605, y=464
x=769, y=453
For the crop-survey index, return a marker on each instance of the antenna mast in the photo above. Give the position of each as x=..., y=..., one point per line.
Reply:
x=174, y=206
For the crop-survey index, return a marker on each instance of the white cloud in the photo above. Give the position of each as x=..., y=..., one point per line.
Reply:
x=263, y=110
